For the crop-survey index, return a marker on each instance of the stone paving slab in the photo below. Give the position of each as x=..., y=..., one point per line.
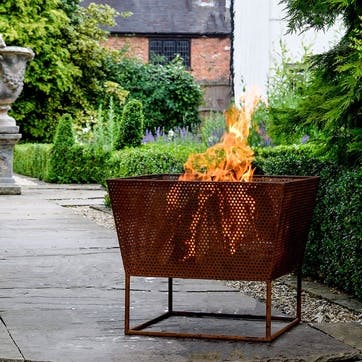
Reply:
x=321, y=290
x=347, y=332
x=7, y=346
x=61, y=297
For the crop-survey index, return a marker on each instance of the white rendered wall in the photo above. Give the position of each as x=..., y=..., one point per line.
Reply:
x=258, y=30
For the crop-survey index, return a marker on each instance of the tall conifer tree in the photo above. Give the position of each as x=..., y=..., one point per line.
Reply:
x=333, y=101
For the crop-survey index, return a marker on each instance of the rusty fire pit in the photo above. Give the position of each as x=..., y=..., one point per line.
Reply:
x=254, y=231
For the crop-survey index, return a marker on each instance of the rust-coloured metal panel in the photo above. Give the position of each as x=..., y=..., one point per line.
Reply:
x=212, y=230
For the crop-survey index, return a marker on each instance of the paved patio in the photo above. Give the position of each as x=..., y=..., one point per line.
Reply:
x=62, y=289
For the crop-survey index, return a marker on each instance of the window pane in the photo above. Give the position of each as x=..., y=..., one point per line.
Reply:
x=167, y=49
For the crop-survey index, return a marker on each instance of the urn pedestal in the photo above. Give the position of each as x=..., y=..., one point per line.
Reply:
x=8, y=185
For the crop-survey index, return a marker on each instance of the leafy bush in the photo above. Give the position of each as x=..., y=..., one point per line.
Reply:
x=169, y=94
x=299, y=160
x=131, y=127
x=67, y=72
x=83, y=164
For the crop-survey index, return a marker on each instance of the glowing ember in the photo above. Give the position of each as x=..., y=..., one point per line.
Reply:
x=231, y=158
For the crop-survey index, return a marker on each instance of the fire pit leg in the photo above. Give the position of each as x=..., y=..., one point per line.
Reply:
x=170, y=295
x=268, y=317
x=299, y=294
x=127, y=303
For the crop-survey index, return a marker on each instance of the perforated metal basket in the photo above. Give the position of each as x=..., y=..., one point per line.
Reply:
x=213, y=230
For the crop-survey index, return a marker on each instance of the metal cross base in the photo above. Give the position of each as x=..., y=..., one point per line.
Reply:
x=268, y=337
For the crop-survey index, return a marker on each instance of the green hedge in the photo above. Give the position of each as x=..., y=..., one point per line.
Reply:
x=334, y=250
x=334, y=254
x=79, y=164
x=151, y=158
x=32, y=159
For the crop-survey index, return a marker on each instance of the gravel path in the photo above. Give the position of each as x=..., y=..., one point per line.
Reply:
x=314, y=310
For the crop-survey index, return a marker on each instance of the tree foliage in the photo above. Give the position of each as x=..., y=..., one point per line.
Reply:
x=333, y=100
x=66, y=73
x=169, y=94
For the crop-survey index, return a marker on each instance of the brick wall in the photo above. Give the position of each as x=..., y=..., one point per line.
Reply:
x=137, y=46
x=210, y=57
x=210, y=65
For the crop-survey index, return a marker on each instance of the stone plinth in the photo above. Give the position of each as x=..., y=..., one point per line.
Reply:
x=7, y=181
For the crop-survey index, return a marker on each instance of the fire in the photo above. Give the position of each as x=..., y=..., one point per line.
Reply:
x=230, y=159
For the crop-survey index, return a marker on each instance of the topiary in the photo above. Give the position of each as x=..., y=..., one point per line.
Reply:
x=64, y=140
x=131, y=126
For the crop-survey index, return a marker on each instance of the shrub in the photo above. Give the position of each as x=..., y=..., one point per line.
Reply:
x=333, y=253
x=299, y=160
x=64, y=136
x=131, y=128
x=83, y=164
x=169, y=94
x=32, y=159
x=152, y=158
x=60, y=157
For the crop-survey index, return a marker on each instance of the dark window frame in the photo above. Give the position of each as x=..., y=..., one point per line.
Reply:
x=168, y=48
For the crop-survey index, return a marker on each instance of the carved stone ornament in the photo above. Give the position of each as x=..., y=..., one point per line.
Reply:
x=12, y=69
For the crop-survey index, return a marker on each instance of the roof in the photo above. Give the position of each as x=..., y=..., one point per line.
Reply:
x=163, y=17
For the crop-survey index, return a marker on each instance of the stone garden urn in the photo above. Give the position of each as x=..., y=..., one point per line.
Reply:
x=12, y=68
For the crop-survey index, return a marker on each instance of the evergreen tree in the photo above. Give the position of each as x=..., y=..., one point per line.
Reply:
x=333, y=100
x=131, y=126
x=60, y=156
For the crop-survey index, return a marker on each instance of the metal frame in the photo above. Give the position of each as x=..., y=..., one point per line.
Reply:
x=269, y=336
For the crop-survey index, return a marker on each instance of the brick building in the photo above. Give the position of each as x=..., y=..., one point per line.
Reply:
x=198, y=30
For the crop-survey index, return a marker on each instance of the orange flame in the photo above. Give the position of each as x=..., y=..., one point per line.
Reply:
x=231, y=158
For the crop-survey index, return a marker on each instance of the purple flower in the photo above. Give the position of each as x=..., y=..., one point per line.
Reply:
x=304, y=139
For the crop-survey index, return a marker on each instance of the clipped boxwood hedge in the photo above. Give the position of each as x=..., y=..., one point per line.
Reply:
x=334, y=249
x=151, y=158
x=32, y=159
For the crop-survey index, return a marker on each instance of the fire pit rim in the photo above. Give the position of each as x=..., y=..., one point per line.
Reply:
x=256, y=179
